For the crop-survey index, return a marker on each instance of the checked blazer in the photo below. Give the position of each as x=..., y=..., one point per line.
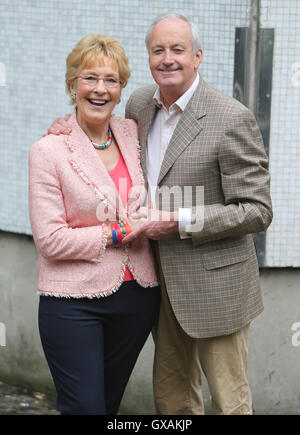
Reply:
x=212, y=279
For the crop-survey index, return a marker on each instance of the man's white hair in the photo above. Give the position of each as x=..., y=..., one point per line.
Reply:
x=195, y=35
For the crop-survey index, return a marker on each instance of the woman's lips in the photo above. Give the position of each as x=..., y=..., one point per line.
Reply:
x=97, y=103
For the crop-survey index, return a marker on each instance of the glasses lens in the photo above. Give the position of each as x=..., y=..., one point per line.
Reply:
x=110, y=82
x=90, y=81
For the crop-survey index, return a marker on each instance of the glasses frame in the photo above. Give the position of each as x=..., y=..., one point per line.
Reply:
x=118, y=82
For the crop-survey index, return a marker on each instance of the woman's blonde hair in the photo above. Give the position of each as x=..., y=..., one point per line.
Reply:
x=90, y=51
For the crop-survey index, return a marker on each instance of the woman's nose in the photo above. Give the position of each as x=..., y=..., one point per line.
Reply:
x=100, y=86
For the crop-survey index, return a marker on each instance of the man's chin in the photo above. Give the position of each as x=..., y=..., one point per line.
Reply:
x=167, y=83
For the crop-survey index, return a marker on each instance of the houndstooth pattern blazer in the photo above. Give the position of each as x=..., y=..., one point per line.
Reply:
x=212, y=279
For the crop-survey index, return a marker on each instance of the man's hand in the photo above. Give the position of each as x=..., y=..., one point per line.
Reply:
x=60, y=126
x=151, y=223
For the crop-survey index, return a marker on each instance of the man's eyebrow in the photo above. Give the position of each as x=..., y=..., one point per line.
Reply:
x=156, y=46
x=177, y=44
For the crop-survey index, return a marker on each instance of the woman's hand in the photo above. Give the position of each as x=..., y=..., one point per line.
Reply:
x=152, y=223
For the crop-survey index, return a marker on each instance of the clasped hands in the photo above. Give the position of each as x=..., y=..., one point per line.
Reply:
x=151, y=223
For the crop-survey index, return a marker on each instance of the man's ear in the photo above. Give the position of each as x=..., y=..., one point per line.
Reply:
x=199, y=56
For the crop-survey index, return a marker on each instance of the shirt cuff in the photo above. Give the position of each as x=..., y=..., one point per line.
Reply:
x=184, y=222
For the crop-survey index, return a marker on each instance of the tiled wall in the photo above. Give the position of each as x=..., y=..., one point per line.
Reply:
x=283, y=236
x=36, y=36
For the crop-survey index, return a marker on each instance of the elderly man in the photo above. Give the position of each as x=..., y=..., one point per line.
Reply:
x=191, y=135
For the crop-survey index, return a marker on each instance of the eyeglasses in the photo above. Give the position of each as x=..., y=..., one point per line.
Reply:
x=92, y=81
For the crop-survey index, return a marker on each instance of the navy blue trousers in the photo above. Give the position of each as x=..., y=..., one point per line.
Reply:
x=91, y=345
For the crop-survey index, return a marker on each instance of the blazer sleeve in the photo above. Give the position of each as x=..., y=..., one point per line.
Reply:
x=245, y=181
x=54, y=239
x=128, y=111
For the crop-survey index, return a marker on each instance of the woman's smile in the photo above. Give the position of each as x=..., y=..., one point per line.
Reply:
x=96, y=102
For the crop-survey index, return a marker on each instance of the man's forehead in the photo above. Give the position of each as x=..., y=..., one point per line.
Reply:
x=171, y=31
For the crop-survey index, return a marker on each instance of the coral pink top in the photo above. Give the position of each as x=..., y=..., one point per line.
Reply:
x=122, y=181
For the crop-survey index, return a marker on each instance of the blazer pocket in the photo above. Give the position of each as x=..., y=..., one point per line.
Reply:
x=224, y=257
x=71, y=271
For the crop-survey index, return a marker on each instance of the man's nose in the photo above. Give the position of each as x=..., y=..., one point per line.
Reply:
x=168, y=58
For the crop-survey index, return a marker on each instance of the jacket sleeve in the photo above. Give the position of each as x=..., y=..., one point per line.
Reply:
x=53, y=237
x=245, y=184
x=128, y=111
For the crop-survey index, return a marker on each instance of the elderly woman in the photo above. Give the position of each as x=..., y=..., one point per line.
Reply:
x=99, y=297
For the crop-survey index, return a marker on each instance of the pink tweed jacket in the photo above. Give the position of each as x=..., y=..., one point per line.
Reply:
x=68, y=185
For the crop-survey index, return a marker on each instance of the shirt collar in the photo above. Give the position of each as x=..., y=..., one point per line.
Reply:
x=182, y=101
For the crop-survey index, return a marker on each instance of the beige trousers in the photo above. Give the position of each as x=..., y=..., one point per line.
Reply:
x=180, y=360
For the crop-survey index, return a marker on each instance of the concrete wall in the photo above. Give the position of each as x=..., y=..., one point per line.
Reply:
x=274, y=354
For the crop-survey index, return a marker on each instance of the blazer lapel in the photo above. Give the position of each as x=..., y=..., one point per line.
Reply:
x=86, y=162
x=89, y=167
x=188, y=127
x=146, y=117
